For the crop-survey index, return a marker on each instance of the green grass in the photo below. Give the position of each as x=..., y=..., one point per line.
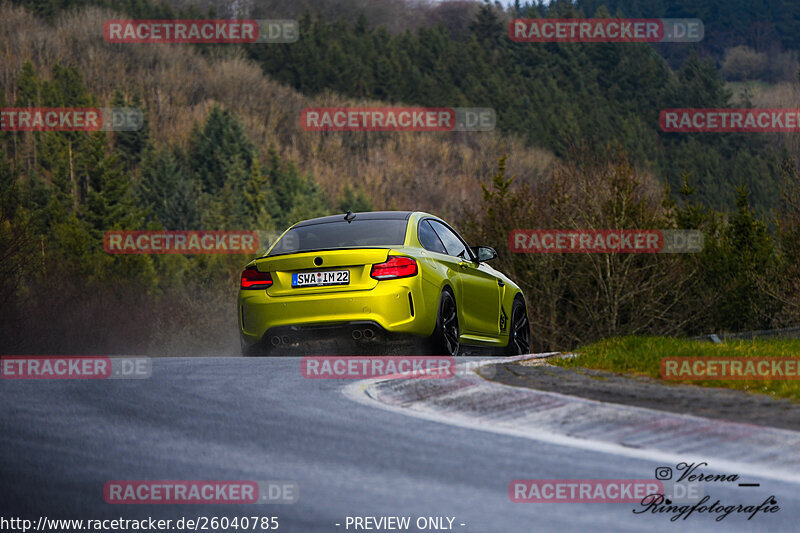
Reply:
x=641, y=356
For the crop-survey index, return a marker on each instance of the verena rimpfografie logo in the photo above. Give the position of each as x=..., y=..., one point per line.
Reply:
x=690, y=473
x=71, y=119
x=721, y=120
x=605, y=241
x=74, y=367
x=200, y=492
x=181, y=242
x=612, y=30
x=220, y=31
x=730, y=368
x=363, y=367
x=397, y=119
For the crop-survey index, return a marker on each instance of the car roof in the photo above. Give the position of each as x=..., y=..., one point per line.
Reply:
x=369, y=215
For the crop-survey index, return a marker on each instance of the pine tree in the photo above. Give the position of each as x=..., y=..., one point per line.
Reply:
x=259, y=201
x=131, y=144
x=213, y=148
x=354, y=200
x=166, y=192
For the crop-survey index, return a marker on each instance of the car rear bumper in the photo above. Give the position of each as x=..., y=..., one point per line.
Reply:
x=392, y=307
x=360, y=336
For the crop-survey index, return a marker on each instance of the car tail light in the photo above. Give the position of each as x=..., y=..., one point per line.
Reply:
x=394, y=267
x=253, y=279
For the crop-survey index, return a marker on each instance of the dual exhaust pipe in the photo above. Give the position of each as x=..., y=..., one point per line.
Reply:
x=366, y=334
x=277, y=341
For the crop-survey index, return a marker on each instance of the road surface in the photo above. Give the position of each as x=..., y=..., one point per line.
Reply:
x=259, y=419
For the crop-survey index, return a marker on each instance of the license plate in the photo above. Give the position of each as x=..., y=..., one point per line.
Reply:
x=320, y=279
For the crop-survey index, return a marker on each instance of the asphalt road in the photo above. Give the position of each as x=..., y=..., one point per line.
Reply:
x=259, y=419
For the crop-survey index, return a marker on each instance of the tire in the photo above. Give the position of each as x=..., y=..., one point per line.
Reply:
x=519, y=335
x=444, y=340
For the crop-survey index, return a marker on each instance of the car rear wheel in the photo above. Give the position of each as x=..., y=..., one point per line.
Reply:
x=519, y=338
x=445, y=336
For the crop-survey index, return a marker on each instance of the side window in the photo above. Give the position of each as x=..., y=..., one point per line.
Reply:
x=428, y=238
x=452, y=243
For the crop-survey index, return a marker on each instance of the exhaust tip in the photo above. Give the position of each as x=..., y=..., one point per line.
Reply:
x=275, y=340
x=285, y=339
x=356, y=334
x=369, y=333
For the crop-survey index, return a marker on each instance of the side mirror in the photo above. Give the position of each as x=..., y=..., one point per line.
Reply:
x=484, y=253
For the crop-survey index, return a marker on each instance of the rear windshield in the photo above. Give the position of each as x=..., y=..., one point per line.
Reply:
x=363, y=233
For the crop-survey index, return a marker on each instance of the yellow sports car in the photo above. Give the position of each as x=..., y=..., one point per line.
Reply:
x=376, y=278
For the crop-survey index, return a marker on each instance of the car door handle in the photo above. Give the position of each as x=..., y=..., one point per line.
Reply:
x=500, y=282
x=463, y=264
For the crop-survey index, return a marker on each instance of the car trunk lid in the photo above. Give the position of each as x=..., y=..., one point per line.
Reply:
x=357, y=262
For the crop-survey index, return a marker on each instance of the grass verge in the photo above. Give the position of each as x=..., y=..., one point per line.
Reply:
x=641, y=356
